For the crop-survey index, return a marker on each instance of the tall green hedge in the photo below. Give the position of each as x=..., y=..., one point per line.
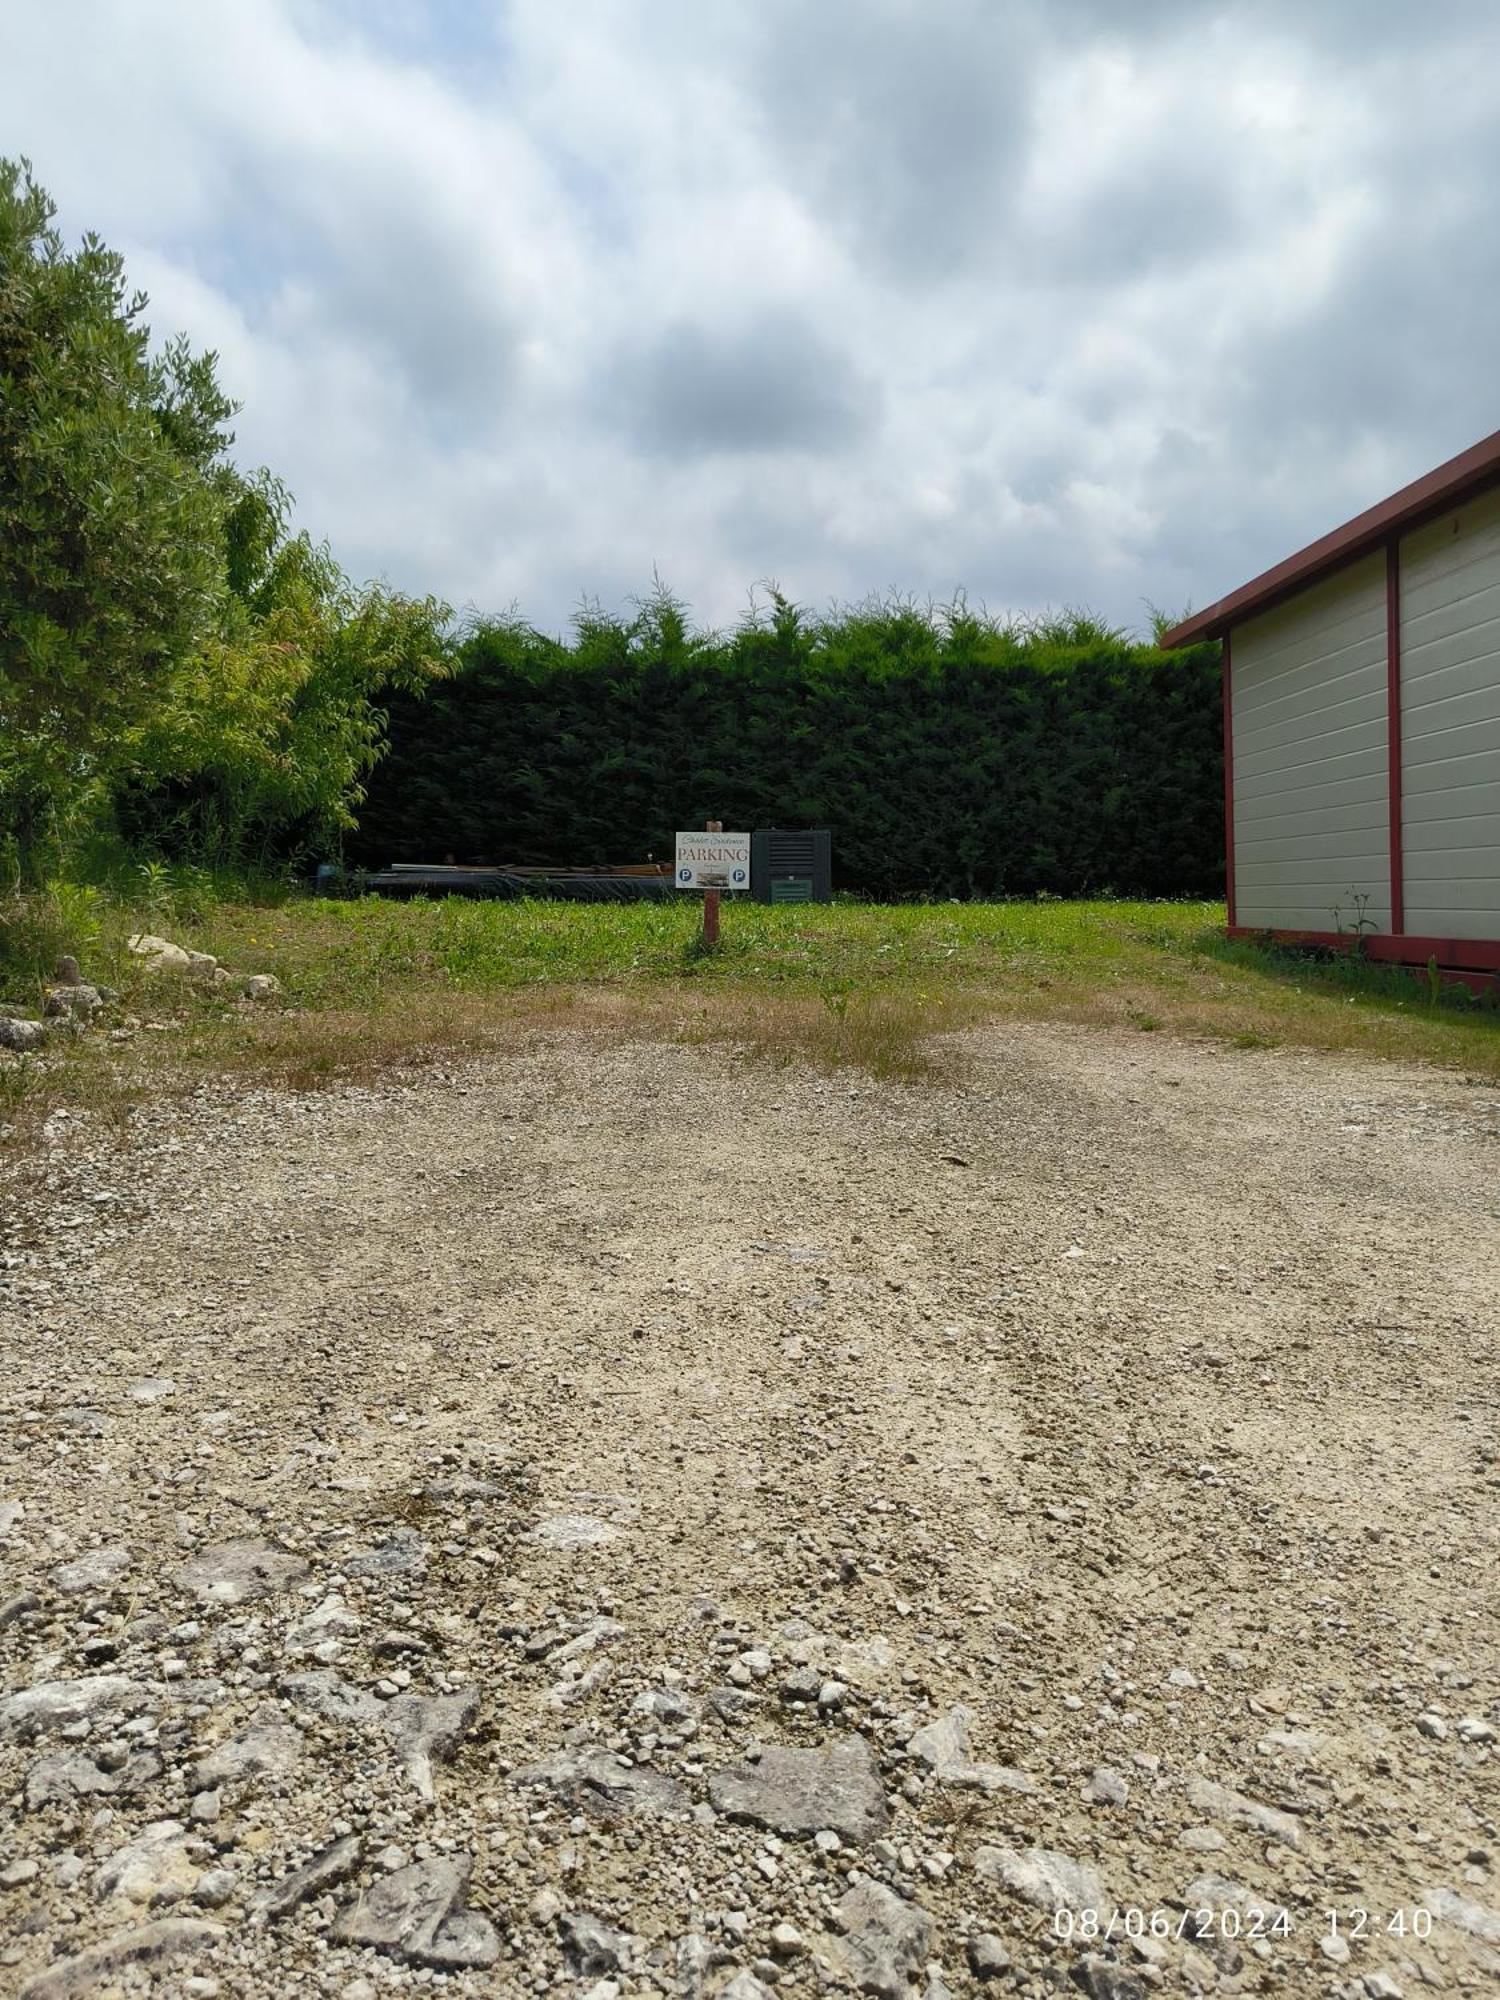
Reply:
x=950, y=754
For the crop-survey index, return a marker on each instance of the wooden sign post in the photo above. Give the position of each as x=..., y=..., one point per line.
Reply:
x=711, y=901
x=713, y=861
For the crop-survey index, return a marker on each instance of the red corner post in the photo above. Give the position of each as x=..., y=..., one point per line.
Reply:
x=1228, y=787
x=1393, y=733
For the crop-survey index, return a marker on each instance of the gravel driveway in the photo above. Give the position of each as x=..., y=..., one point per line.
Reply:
x=624, y=1520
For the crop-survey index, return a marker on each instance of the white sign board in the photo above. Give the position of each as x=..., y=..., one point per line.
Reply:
x=713, y=861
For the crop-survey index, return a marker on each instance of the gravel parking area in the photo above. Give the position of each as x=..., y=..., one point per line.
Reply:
x=622, y=1520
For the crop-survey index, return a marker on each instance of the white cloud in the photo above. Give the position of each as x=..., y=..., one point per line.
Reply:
x=525, y=300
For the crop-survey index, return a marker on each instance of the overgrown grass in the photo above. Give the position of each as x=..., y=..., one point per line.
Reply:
x=370, y=983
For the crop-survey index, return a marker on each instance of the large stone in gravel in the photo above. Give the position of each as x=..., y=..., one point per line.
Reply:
x=155, y=1867
x=332, y=1698
x=885, y=1940
x=944, y=1747
x=330, y=1865
x=239, y=1572
x=804, y=1791
x=573, y=1531
x=596, y=1781
x=745, y=1986
x=86, y=1971
x=1464, y=1915
x=592, y=1947
x=1041, y=1876
x=94, y=1571
x=72, y=1774
x=1218, y=1892
x=327, y=1622
x=52, y=1705
x=267, y=1746
x=152, y=1388
x=424, y=1726
x=400, y=1553
x=1219, y=1802
x=416, y=1912
x=988, y=1955
x=1103, y=1979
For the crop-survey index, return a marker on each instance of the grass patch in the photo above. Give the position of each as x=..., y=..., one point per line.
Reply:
x=371, y=984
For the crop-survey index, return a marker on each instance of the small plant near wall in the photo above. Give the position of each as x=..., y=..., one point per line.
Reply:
x=1363, y=923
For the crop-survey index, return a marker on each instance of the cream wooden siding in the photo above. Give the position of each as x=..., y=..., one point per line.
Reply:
x=1450, y=723
x=1311, y=797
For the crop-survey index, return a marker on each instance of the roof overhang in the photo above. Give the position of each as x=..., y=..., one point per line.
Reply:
x=1457, y=479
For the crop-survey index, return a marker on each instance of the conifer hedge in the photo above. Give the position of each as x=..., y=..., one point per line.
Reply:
x=952, y=755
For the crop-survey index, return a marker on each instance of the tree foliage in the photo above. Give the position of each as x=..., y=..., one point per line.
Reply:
x=267, y=733
x=110, y=543
x=951, y=754
x=167, y=646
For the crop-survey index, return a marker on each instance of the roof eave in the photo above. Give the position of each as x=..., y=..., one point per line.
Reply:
x=1455, y=479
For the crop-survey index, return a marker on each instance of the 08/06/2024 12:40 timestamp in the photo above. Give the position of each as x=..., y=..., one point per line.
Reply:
x=1248, y=1922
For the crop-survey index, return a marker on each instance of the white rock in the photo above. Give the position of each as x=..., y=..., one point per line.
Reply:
x=1463, y=1915
x=944, y=1747
x=1219, y=1802
x=93, y=1570
x=573, y=1531
x=153, y=1868
x=1041, y=1876
x=158, y=952
x=1106, y=1787
x=54, y=1704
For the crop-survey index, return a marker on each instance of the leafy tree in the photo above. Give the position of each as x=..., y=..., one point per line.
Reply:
x=265, y=734
x=111, y=545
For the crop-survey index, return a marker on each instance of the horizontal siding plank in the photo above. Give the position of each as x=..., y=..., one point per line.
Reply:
x=1351, y=751
x=1284, y=914
x=1433, y=920
x=1456, y=862
x=1455, y=773
x=1439, y=817
x=1287, y=822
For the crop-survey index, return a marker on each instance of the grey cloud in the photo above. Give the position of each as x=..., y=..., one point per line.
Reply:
x=774, y=384
x=524, y=298
x=909, y=123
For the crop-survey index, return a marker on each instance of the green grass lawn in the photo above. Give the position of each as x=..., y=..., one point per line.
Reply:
x=368, y=982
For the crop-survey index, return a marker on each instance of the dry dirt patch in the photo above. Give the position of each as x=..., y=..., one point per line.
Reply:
x=630, y=1401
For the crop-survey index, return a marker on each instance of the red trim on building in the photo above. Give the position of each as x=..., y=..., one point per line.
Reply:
x=1456, y=479
x=1393, y=731
x=1228, y=783
x=1470, y=955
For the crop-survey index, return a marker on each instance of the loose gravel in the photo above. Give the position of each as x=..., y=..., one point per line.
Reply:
x=623, y=1520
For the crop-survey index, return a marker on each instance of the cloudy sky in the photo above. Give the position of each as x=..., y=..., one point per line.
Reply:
x=1063, y=302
